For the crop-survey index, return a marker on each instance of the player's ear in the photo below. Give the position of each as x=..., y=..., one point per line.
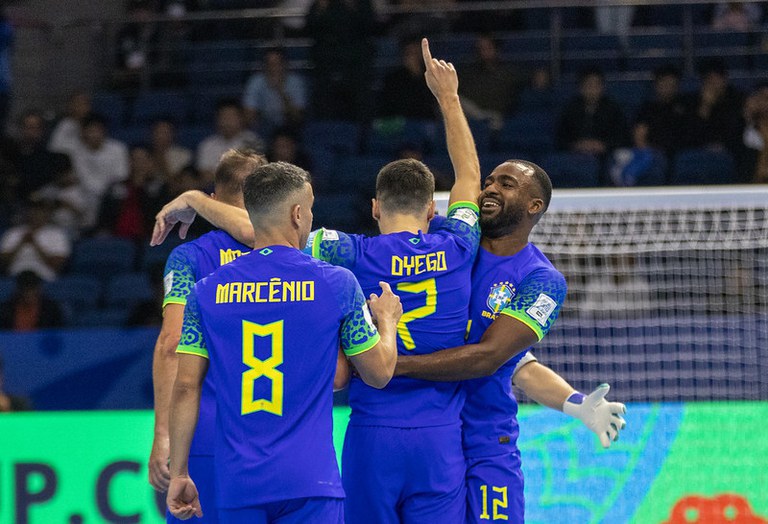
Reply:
x=431, y=211
x=535, y=207
x=297, y=214
x=375, y=209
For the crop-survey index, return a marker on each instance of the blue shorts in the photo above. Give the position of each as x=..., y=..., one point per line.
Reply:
x=495, y=489
x=201, y=472
x=403, y=475
x=310, y=510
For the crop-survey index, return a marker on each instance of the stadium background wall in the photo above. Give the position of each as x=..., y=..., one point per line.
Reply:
x=675, y=463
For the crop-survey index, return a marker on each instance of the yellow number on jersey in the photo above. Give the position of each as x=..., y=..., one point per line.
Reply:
x=262, y=368
x=425, y=286
x=497, y=503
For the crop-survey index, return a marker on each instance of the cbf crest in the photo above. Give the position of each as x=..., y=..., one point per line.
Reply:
x=500, y=296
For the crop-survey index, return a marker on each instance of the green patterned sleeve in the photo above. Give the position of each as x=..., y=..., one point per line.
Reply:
x=358, y=334
x=179, y=275
x=463, y=221
x=192, y=340
x=538, y=301
x=333, y=246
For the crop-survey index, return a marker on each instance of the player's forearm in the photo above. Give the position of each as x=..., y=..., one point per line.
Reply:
x=461, y=149
x=458, y=363
x=185, y=404
x=543, y=385
x=231, y=219
x=164, y=367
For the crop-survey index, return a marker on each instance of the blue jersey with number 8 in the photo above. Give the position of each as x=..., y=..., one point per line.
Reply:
x=271, y=323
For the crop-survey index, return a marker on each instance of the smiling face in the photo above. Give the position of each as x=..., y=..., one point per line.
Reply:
x=510, y=197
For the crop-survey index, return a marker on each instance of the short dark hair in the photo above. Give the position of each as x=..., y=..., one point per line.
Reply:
x=270, y=185
x=542, y=180
x=224, y=103
x=405, y=186
x=234, y=166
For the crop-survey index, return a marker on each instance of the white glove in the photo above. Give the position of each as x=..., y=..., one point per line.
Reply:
x=603, y=418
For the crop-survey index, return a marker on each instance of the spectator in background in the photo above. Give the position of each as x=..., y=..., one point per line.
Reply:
x=405, y=94
x=592, y=123
x=285, y=147
x=756, y=113
x=136, y=44
x=736, y=16
x=488, y=88
x=129, y=207
x=169, y=157
x=35, y=245
x=29, y=309
x=342, y=58
x=714, y=114
x=67, y=132
x=231, y=133
x=65, y=195
x=275, y=97
x=642, y=164
x=99, y=162
x=33, y=160
x=8, y=402
x=664, y=112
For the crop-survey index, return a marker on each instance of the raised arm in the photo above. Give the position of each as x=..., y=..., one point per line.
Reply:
x=443, y=81
x=183, y=209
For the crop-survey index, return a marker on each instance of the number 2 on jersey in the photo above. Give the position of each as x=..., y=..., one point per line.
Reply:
x=425, y=286
x=262, y=368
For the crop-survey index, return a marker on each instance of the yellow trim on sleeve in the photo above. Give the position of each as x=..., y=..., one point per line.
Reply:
x=464, y=203
x=192, y=350
x=525, y=319
x=316, y=243
x=174, y=300
x=357, y=350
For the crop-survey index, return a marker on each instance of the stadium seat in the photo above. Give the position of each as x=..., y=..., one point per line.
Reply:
x=589, y=41
x=203, y=102
x=103, y=257
x=387, y=137
x=157, y=255
x=702, y=166
x=127, y=289
x=191, y=136
x=111, y=106
x=7, y=287
x=78, y=291
x=357, y=173
x=530, y=133
x=338, y=136
x=345, y=211
x=151, y=105
x=101, y=318
x=572, y=169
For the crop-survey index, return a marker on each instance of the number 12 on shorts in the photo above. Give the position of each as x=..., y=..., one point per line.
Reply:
x=499, y=503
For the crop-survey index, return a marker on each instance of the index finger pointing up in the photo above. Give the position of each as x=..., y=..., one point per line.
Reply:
x=425, y=52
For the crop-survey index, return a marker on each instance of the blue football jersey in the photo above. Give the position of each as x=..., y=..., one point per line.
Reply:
x=527, y=287
x=187, y=264
x=431, y=273
x=271, y=323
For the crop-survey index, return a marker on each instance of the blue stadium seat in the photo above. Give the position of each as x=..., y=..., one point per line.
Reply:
x=590, y=41
x=191, y=136
x=202, y=73
x=528, y=42
x=7, y=287
x=702, y=166
x=127, y=289
x=669, y=41
x=150, y=105
x=536, y=100
x=103, y=257
x=339, y=136
x=577, y=61
x=101, y=318
x=343, y=210
x=530, y=133
x=111, y=106
x=720, y=39
x=387, y=137
x=572, y=169
x=629, y=94
x=203, y=102
x=357, y=173
x=322, y=162
x=78, y=291
x=157, y=255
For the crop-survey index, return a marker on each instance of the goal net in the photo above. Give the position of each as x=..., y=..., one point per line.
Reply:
x=667, y=291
